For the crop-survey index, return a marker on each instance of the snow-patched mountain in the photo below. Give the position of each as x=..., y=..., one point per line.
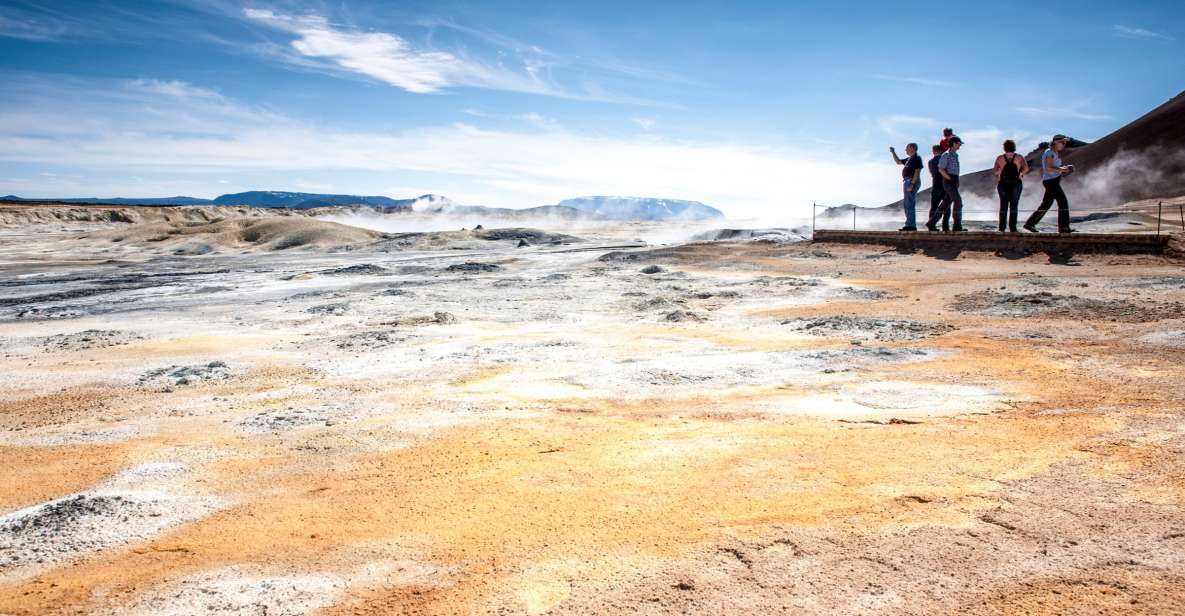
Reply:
x=643, y=208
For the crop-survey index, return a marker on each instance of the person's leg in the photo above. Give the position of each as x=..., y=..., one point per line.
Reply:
x=1046, y=201
x=1014, y=206
x=935, y=199
x=957, y=205
x=944, y=207
x=1063, y=208
x=1005, y=197
x=910, y=204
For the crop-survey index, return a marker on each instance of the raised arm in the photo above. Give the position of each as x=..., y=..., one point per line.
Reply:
x=896, y=159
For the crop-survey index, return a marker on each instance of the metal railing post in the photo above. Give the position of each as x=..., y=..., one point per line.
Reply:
x=814, y=210
x=1159, y=215
x=853, y=218
x=1181, y=211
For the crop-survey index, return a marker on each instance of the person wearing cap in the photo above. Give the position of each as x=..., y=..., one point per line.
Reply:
x=911, y=176
x=1010, y=170
x=952, y=201
x=1052, y=171
x=936, y=192
x=947, y=133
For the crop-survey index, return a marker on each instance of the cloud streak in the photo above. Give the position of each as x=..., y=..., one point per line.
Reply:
x=1062, y=113
x=917, y=81
x=1139, y=33
x=27, y=26
x=316, y=42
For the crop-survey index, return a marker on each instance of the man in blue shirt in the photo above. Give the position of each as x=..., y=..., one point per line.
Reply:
x=1052, y=171
x=952, y=201
x=911, y=176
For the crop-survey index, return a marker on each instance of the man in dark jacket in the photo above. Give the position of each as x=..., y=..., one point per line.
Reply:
x=936, y=192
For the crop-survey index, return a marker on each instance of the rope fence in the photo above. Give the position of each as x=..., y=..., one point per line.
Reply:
x=1172, y=215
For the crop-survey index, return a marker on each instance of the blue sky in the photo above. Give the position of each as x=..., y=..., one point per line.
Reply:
x=758, y=108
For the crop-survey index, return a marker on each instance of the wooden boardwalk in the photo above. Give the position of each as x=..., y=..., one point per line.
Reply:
x=1126, y=243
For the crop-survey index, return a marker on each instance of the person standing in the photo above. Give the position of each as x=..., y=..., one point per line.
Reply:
x=947, y=133
x=911, y=176
x=952, y=201
x=1052, y=171
x=936, y=192
x=1010, y=170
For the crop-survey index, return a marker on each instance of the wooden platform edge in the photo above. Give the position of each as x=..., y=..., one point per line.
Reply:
x=1127, y=243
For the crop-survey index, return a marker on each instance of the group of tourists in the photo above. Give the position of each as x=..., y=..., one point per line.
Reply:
x=946, y=204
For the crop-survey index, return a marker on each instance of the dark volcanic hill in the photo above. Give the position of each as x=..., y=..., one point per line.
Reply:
x=116, y=200
x=299, y=200
x=1144, y=159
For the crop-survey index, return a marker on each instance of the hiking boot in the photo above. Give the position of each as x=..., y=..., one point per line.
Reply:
x=1067, y=230
x=959, y=229
x=931, y=228
x=908, y=228
x=1031, y=229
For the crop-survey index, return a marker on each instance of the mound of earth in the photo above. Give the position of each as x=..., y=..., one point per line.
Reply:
x=186, y=375
x=268, y=234
x=868, y=328
x=473, y=266
x=776, y=235
x=32, y=212
x=522, y=234
x=1071, y=306
x=87, y=339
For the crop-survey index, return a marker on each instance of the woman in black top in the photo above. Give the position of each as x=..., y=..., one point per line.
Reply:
x=1010, y=170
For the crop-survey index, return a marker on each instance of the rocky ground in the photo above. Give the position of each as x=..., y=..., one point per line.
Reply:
x=520, y=422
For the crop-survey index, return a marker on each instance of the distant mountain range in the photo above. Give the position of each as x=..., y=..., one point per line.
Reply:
x=599, y=207
x=119, y=200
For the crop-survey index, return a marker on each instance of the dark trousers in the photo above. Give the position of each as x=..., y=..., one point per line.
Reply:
x=1009, y=203
x=951, y=204
x=1053, y=192
x=936, y=195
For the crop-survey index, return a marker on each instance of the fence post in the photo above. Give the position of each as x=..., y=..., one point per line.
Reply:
x=853, y=218
x=1159, y=215
x=814, y=210
x=1181, y=211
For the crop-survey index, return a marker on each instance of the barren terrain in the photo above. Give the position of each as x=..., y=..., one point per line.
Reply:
x=213, y=417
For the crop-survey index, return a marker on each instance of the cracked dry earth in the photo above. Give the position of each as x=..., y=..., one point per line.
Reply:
x=838, y=430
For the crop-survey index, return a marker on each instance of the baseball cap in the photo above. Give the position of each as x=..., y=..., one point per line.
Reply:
x=1059, y=137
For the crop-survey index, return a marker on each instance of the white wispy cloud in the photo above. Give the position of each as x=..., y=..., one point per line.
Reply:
x=395, y=60
x=1062, y=113
x=1139, y=33
x=917, y=81
x=509, y=167
x=906, y=126
x=25, y=25
x=644, y=123
x=380, y=55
